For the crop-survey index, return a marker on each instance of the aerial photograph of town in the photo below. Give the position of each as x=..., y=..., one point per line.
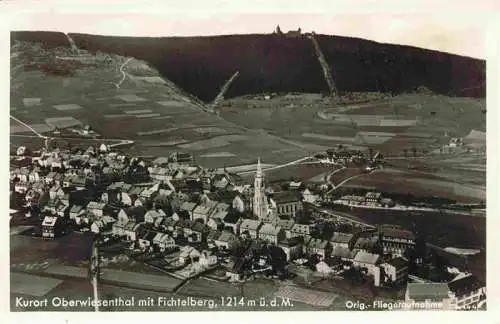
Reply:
x=283, y=171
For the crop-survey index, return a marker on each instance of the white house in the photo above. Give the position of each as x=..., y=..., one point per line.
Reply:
x=467, y=291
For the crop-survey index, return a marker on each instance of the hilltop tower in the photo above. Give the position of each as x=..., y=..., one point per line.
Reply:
x=260, y=205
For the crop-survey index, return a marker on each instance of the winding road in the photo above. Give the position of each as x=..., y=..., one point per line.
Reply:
x=124, y=75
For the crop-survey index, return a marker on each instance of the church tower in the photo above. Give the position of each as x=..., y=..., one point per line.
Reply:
x=260, y=206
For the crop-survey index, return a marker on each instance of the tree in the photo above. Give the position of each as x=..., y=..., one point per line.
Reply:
x=414, y=150
x=278, y=30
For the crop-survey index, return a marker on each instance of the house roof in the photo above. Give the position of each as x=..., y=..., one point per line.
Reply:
x=423, y=291
x=465, y=285
x=396, y=232
x=95, y=205
x=149, y=236
x=250, y=224
x=318, y=243
x=155, y=213
x=339, y=237
x=366, y=242
x=365, y=257
x=205, y=208
x=286, y=224
x=283, y=197
x=130, y=226
x=226, y=237
x=136, y=212
x=231, y=218
x=49, y=221
x=213, y=235
x=269, y=229
x=398, y=262
x=343, y=252
x=220, y=214
x=292, y=241
x=188, y=206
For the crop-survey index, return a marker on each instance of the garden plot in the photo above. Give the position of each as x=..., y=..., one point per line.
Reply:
x=25, y=284
x=306, y=296
x=158, y=131
x=373, y=138
x=165, y=143
x=147, y=116
x=210, y=130
x=327, y=137
x=117, y=116
x=163, y=117
x=62, y=122
x=138, y=111
x=30, y=102
x=215, y=142
x=68, y=107
x=130, y=98
x=218, y=155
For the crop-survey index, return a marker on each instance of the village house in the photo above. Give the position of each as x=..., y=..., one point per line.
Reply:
x=373, y=198
x=301, y=229
x=198, y=231
x=118, y=228
x=169, y=224
x=166, y=242
x=151, y=215
x=188, y=254
x=150, y=193
x=204, y=211
x=233, y=222
x=293, y=247
x=51, y=227
x=343, y=253
x=159, y=174
x=250, y=227
x=396, y=240
x=395, y=271
x=103, y=224
x=320, y=247
x=53, y=191
x=76, y=211
x=130, y=231
x=467, y=291
x=188, y=209
x=235, y=270
x=215, y=223
x=366, y=243
x=135, y=214
x=271, y=233
x=364, y=260
x=287, y=225
x=287, y=203
x=211, y=237
x=429, y=296
x=226, y=240
x=145, y=239
x=309, y=197
x=96, y=208
x=341, y=239
x=62, y=211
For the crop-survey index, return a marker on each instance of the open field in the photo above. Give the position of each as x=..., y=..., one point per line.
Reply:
x=31, y=285
x=419, y=184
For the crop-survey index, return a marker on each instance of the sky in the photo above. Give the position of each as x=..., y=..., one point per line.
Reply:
x=460, y=29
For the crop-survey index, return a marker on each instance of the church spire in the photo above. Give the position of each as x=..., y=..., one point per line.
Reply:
x=259, y=168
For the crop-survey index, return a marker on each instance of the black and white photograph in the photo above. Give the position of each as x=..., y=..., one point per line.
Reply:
x=247, y=161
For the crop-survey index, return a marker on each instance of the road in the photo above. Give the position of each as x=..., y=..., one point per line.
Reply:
x=124, y=75
x=119, y=140
x=278, y=166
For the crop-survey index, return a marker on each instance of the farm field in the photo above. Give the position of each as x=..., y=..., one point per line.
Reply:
x=421, y=185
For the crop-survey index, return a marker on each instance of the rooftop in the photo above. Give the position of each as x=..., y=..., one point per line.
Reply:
x=465, y=285
x=365, y=257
